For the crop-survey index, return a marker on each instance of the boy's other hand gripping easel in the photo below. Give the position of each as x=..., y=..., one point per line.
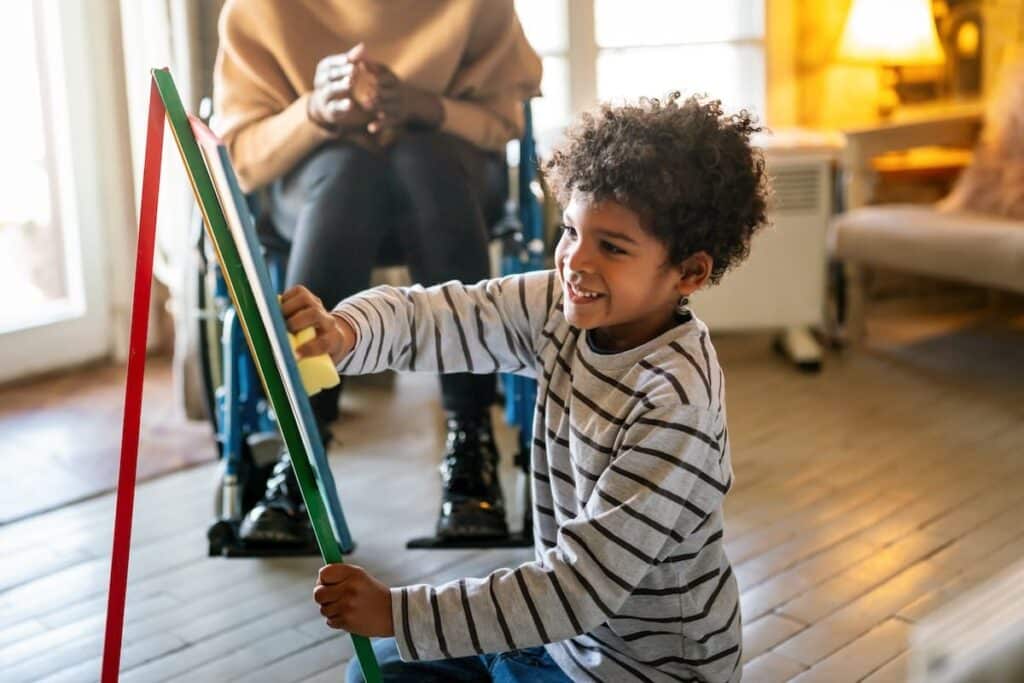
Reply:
x=230, y=228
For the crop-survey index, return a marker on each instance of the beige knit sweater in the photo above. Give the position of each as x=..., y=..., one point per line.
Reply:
x=470, y=52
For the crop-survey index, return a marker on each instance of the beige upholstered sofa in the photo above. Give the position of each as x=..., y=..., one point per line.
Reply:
x=978, y=248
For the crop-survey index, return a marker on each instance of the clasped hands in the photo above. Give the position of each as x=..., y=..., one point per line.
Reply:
x=353, y=93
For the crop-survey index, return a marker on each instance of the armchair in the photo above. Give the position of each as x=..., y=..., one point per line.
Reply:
x=935, y=240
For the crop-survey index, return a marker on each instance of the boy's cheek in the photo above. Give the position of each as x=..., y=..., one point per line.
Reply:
x=558, y=269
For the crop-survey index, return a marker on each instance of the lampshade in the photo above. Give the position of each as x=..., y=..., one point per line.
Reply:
x=891, y=32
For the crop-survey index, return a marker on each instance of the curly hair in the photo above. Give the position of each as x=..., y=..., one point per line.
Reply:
x=685, y=167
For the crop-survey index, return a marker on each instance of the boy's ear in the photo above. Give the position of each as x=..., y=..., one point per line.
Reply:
x=694, y=272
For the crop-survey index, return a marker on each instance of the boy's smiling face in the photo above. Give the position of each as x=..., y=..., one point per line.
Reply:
x=616, y=277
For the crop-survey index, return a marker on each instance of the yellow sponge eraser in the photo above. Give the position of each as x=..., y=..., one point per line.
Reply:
x=318, y=372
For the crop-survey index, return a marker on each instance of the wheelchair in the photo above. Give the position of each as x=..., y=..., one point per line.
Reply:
x=246, y=434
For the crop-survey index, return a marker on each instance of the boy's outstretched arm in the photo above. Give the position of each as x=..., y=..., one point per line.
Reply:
x=660, y=488
x=492, y=326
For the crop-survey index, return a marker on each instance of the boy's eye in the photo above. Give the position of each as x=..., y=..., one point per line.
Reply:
x=568, y=231
x=611, y=248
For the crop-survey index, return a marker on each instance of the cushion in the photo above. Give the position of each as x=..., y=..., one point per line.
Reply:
x=980, y=249
x=994, y=181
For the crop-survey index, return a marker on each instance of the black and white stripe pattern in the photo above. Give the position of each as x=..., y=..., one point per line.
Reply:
x=630, y=467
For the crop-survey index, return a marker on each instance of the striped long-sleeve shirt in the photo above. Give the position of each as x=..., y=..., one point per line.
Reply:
x=630, y=461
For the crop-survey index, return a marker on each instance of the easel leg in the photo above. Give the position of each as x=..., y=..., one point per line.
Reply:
x=133, y=392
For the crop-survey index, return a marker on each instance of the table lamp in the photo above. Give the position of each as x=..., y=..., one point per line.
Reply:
x=891, y=34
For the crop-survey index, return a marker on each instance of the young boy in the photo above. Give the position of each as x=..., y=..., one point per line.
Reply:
x=630, y=459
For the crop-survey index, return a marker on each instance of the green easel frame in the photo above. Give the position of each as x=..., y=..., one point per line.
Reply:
x=261, y=320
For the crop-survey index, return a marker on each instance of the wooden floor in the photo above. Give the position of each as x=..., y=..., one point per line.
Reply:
x=866, y=496
x=61, y=435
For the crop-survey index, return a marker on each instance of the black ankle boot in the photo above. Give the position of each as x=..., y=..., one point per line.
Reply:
x=472, y=505
x=280, y=518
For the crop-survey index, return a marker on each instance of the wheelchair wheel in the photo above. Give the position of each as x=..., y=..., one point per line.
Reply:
x=208, y=330
x=252, y=477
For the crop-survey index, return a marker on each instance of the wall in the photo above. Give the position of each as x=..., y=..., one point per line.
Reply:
x=833, y=95
x=782, y=96
x=830, y=94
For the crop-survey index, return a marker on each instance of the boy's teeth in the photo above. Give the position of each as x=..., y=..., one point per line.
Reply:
x=587, y=295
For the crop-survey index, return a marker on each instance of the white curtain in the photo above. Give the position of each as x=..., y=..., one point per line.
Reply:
x=181, y=35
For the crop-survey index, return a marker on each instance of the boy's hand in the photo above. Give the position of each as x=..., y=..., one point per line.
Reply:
x=334, y=336
x=354, y=601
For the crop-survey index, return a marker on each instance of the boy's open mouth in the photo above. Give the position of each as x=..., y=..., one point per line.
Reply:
x=579, y=295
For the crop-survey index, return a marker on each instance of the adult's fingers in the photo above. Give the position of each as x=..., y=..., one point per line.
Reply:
x=336, y=90
x=338, y=108
x=387, y=78
x=331, y=68
x=356, y=53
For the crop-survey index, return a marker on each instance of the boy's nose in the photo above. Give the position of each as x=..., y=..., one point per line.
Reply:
x=578, y=258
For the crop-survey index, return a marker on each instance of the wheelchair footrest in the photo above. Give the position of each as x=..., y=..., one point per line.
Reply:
x=224, y=542
x=243, y=549
x=516, y=540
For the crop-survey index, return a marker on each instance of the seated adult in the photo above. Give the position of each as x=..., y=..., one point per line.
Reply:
x=351, y=113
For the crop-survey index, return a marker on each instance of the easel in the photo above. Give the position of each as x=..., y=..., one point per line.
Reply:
x=230, y=229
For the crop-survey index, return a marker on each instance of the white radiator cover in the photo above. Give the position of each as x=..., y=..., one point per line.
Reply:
x=782, y=283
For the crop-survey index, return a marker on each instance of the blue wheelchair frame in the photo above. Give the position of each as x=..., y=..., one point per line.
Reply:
x=242, y=413
x=522, y=251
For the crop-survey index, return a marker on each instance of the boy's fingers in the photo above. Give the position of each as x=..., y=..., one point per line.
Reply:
x=290, y=307
x=292, y=293
x=313, y=348
x=299, y=304
x=337, y=573
x=303, y=318
x=296, y=298
x=335, y=609
x=326, y=594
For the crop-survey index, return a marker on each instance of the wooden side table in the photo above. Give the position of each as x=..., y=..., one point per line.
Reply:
x=935, y=142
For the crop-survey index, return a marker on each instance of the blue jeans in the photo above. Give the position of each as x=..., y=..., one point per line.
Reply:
x=532, y=665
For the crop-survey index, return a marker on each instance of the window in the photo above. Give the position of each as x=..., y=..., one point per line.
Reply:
x=33, y=274
x=65, y=197
x=613, y=49
x=546, y=23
